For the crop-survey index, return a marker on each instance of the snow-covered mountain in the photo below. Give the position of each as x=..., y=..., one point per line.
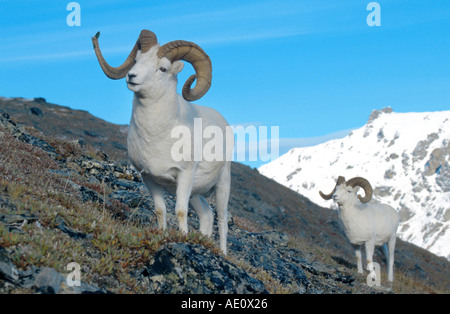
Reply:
x=406, y=158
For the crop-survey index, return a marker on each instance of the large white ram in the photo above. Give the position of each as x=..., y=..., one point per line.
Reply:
x=365, y=223
x=151, y=73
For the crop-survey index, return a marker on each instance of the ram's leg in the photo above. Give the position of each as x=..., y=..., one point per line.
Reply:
x=184, y=188
x=158, y=198
x=358, y=259
x=386, y=253
x=391, y=247
x=222, y=191
x=204, y=213
x=370, y=246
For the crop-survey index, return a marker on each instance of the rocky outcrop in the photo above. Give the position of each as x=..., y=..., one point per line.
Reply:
x=39, y=279
x=187, y=268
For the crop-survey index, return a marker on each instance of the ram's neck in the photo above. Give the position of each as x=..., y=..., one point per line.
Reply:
x=349, y=212
x=150, y=117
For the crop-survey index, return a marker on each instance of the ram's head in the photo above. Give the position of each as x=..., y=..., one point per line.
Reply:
x=148, y=64
x=346, y=190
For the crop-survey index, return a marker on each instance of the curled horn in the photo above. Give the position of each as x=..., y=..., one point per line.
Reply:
x=146, y=40
x=192, y=53
x=364, y=183
x=327, y=197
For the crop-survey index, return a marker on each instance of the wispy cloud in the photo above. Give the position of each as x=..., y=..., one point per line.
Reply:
x=228, y=24
x=47, y=56
x=251, y=36
x=252, y=144
x=288, y=143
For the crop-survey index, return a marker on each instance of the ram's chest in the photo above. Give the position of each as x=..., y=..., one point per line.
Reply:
x=355, y=229
x=151, y=156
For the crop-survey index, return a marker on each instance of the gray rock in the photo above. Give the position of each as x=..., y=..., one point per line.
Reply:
x=8, y=271
x=61, y=225
x=265, y=250
x=421, y=149
x=47, y=280
x=36, y=111
x=83, y=288
x=376, y=113
x=443, y=178
x=16, y=219
x=382, y=191
x=275, y=238
x=389, y=174
x=36, y=142
x=91, y=133
x=187, y=268
x=20, y=133
x=40, y=100
x=437, y=161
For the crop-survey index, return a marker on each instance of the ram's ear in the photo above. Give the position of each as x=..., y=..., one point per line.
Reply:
x=177, y=66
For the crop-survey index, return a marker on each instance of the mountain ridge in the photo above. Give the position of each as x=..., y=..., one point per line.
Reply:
x=68, y=124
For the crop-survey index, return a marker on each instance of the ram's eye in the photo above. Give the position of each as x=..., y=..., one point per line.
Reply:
x=162, y=69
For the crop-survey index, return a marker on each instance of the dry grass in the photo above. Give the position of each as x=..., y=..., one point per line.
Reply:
x=247, y=224
x=114, y=247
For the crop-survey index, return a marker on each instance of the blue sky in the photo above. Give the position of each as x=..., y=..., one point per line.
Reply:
x=313, y=68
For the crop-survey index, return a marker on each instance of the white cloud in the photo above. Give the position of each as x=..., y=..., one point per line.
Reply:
x=288, y=143
x=255, y=144
x=47, y=56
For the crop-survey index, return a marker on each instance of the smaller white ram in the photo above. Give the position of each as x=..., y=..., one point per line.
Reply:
x=365, y=223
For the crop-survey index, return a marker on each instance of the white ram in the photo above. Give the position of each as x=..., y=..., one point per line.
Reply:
x=365, y=223
x=151, y=73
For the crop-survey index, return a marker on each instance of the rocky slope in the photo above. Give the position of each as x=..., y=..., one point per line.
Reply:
x=64, y=201
x=68, y=124
x=405, y=156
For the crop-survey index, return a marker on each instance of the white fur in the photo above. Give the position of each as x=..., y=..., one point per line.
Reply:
x=367, y=223
x=157, y=110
